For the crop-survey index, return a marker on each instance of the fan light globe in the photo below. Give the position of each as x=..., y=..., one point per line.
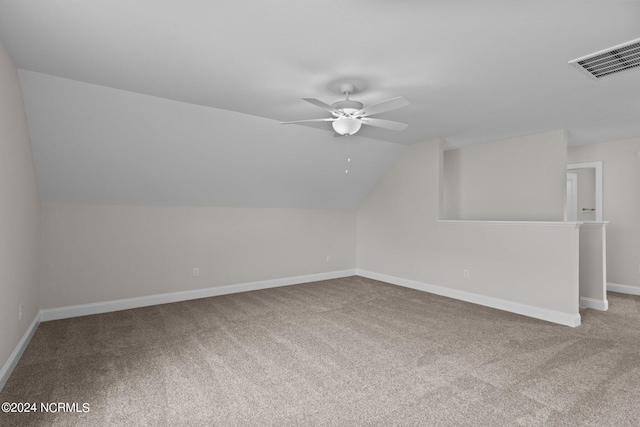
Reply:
x=346, y=126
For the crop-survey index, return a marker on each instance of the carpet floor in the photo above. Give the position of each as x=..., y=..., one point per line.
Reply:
x=341, y=352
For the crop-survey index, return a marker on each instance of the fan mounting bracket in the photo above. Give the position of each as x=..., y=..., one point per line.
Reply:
x=347, y=88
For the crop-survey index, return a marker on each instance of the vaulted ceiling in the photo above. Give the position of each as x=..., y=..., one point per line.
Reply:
x=179, y=102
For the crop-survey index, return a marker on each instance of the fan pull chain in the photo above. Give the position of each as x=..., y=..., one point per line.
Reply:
x=348, y=154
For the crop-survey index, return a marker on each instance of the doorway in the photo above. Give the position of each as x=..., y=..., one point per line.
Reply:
x=590, y=206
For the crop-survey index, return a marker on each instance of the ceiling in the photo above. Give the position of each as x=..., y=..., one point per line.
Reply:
x=474, y=71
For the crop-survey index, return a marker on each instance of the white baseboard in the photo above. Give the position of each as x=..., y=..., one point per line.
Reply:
x=125, y=304
x=559, y=317
x=623, y=289
x=13, y=360
x=597, y=304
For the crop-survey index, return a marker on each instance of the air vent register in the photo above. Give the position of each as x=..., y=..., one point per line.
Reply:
x=610, y=61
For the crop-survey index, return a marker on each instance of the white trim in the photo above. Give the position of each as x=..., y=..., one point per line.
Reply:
x=554, y=316
x=534, y=223
x=597, y=304
x=599, y=184
x=623, y=289
x=13, y=360
x=125, y=304
x=594, y=224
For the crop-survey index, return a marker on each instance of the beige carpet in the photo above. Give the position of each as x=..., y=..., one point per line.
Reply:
x=342, y=352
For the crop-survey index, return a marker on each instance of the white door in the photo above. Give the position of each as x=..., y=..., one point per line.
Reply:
x=571, y=207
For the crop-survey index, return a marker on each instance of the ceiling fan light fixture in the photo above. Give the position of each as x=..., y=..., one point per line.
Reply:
x=346, y=126
x=349, y=115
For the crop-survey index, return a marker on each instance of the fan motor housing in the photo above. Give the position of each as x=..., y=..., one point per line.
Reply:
x=348, y=106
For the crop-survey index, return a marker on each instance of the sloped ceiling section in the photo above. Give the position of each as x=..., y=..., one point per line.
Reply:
x=98, y=145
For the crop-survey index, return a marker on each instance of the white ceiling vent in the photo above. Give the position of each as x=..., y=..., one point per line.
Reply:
x=614, y=60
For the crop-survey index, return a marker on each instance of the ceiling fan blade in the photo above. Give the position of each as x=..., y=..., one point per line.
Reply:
x=385, y=124
x=381, y=107
x=330, y=119
x=322, y=105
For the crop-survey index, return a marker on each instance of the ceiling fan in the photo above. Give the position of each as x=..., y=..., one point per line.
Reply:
x=349, y=115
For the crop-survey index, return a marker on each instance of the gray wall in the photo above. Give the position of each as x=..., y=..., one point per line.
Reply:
x=19, y=214
x=518, y=179
x=399, y=235
x=102, y=253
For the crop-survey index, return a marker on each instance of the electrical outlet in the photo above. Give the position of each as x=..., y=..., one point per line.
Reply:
x=20, y=312
x=328, y=258
x=465, y=273
x=196, y=272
